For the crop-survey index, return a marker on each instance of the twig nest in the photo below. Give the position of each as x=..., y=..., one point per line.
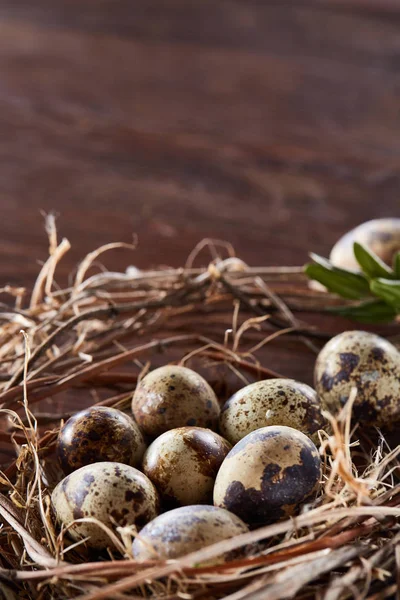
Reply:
x=112, y=493
x=99, y=434
x=272, y=402
x=171, y=397
x=367, y=362
x=268, y=474
x=183, y=464
x=382, y=236
x=184, y=530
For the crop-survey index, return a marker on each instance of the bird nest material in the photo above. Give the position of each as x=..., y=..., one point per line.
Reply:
x=88, y=343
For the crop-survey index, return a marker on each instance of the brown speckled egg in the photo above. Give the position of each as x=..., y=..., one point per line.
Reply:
x=368, y=362
x=268, y=474
x=382, y=236
x=114, y=493
x=98, y=434
x=272, y=402
x=183, y=464
x=184, y=530
x=174, y=396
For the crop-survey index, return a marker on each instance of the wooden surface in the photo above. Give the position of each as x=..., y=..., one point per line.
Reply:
x=274, y=125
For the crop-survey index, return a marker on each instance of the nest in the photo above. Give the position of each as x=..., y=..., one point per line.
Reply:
x=88, y=343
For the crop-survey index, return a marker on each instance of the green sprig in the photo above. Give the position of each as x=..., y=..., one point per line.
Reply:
x=376, y=285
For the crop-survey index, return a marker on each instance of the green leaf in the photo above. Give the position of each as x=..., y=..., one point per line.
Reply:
x=396, y=265
x=370, y=263
x=373, y=311
x=347, y=284
x=388, y=290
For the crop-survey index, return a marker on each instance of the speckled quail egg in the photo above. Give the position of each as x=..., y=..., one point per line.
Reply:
x=367, y=362
x=272, y=402
x=112, y=493
x=183, y=464
x=174, y=396
x=268, y=474
x=382, y=236
x=184, y=530
x=99, y=434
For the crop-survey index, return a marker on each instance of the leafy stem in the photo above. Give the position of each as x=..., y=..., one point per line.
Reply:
x=376, y=286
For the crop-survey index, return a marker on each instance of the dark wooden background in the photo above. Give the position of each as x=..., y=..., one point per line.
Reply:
x=274, y=125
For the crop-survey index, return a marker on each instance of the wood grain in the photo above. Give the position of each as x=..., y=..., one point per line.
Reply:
x=274, y=125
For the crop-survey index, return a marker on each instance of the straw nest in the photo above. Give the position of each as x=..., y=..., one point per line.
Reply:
x=89, y=343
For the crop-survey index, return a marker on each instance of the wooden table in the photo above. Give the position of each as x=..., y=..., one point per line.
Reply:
x=274, y=125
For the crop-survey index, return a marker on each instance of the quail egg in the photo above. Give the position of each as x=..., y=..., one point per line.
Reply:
x=184, y=530
x=268, y=474
x=174, y=396
x=112, y=493
x=272, y=402
x=382, y=236
x=183, y=463
x=99, y=434
x=367, y=362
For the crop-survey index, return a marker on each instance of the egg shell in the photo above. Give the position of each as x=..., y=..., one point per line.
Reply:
x=99, y=434
x=367, y=362
x=108, y=491
x=382, y=236
x=187, y=529
x=268, y=474
x=183, y=463
x=272, y=402
x=174, y=396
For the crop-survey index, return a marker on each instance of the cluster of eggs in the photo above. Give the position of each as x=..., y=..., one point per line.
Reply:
x=168, y=472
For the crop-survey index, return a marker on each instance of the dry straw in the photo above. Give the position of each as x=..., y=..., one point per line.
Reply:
x=89, y=343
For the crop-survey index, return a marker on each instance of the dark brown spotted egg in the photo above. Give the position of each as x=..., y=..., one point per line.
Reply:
x=272, y=402
x=268, y=475
x=171, y=397
x=183, y=463
x=99, y=434
x=382, y=236
x=184, y=530
x=367, y=362
x=113, y=493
